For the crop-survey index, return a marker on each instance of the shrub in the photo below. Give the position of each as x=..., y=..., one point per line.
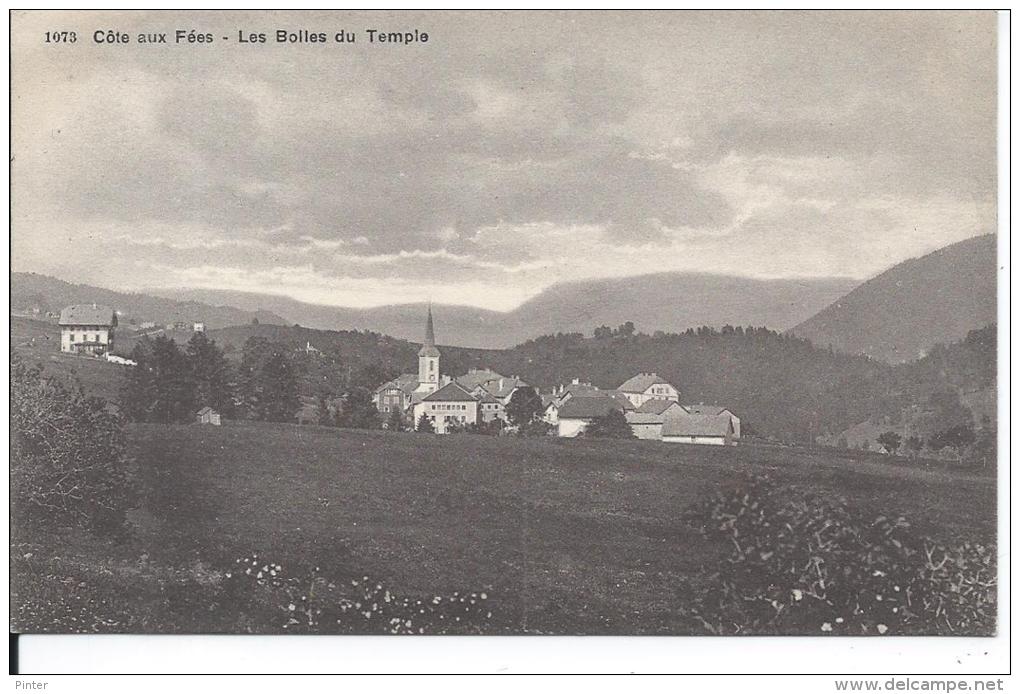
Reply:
x=800, y=563
x=67, y=455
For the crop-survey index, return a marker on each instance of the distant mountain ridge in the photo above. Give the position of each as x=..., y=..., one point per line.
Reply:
x=671, y=302
x=902, y=313
x=47, y=294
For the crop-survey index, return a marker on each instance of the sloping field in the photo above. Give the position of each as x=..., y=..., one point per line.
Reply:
x=566, y=536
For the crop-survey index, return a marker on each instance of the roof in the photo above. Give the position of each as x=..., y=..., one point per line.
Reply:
x=658, y=406
x=476, y=377
x=206, y=410
x=641, y=383
x=88, y=314
x=451, y=392
x=500, y=386
x=638, y=417
x=622, y=399
x=405, y=382
x=486, y=398
x=697, y=425
x=588, y=407
x=706, y=409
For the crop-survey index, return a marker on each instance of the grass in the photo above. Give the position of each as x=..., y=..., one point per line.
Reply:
x=565, y=536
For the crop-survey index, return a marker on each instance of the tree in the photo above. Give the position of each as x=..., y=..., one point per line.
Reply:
x=602, y=332
x=913, y=444
x=612, y=426
x=524, y=407
x=160, y=388
x=627, y=329
x=425, y=425
x=890, y=441
x=358, y=411
x=395, y=421
x=268, y=381
x=279, y=400
x=67, y=464
x=957, y=437
x=210, y=373
x=323, y=412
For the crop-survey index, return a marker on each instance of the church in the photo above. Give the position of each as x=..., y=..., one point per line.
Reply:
x=479, y=396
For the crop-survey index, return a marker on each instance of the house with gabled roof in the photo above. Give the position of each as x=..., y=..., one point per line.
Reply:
x=451, y=406
x=716, y=430
x=87, y=329
x=646, y=421
x=574, y=415
x=648, y=386
x=716, y=411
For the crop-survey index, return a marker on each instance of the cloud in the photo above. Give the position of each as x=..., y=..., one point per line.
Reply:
x=499, y=159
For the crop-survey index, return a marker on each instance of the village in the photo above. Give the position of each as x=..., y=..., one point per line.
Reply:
x=649, y=404
x=479, y=400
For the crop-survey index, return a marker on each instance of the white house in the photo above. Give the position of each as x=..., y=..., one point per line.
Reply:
x=452, y=405
x=648, y=386
x=87, y=329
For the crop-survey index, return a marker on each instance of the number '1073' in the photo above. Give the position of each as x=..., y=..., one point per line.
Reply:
x=61, y=36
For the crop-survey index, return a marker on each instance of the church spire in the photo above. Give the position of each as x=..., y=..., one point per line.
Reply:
x=428, y=347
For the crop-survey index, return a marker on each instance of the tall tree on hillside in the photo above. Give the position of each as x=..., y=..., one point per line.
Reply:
x=358, y=411
x=160, y=388
x=613, y=426
x=211, y=374
x=278, y=390
x=524, y=407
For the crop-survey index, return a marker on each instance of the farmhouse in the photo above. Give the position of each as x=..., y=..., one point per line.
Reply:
x=646, y=421
x=648, y=386
x=575, y=415
x=698, y=428
x=87, y=329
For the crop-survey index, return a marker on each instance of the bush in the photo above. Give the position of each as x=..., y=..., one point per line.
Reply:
x=67, y=455
x=800, y=563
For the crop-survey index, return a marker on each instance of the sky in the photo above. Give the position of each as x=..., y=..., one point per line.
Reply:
x=509, y=152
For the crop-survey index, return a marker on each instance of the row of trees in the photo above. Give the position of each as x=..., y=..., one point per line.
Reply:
x=169, y=384
x=960, y=441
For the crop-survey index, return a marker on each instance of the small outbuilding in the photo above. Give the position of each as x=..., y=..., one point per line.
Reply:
x=208, y=415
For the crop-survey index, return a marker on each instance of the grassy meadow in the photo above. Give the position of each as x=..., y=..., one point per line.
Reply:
x=561, y=536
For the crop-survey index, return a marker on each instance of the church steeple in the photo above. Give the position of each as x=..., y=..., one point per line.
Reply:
x=428, y=355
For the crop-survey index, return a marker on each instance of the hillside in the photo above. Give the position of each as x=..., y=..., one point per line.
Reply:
x=559, y=535
x=902, y=313
x=780, y=385
x=46, y=294
x=671, y=302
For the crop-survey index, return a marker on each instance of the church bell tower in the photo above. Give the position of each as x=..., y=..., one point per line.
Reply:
x=428, y=358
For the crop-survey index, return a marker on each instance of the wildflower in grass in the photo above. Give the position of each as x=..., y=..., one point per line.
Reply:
x=291, y=607
x=797, y=594
x=826, y=627
x=882, y=628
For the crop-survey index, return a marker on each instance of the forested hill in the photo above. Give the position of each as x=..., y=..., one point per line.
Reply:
x=781, y=386
x=905, y=311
